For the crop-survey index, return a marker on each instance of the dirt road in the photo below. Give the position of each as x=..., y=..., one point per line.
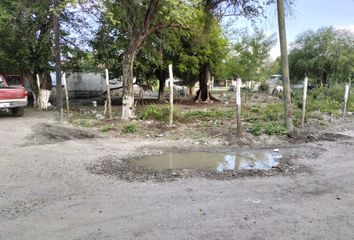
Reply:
x=46, y=192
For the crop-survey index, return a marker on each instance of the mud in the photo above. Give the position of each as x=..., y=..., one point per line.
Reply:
x=49, y=134
x=306, y=137
x=122, y=169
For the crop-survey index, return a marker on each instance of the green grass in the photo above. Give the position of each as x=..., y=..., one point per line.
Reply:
x=107, y=128
x=130, y=128
x=83, y=122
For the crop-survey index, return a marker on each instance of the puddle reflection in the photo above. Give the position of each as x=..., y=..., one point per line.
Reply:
x=263, y=160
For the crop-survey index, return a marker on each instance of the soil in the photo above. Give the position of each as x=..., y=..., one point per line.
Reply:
x=69, y=182
x=50, y=133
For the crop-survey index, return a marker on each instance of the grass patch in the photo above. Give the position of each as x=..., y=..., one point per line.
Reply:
x=107, y=128
x=210, y=114
x=83, y=122
x=159, y=113
x=130, y=128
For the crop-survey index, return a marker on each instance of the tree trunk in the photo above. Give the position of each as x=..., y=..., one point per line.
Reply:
x=204, y=78
x=162, y=83
x=59, y=92
x=45, y=90
x=285, y=67
x=128, y=110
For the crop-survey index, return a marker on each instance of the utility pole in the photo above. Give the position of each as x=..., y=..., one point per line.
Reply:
x=56, y=30
x=285, y=67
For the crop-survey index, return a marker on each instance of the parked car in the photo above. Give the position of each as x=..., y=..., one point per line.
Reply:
x=12, y=98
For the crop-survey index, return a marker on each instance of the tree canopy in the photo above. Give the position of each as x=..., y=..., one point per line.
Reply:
x=326, y=54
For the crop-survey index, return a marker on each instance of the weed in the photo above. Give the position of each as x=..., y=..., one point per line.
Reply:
x=153, y=112
x=130, y=128
x=256, y=128
x=213, y=113
x=275, y=128
x=83, y=122
x=107, y=128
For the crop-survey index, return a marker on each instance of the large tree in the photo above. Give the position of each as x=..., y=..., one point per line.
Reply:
x=140, y=19
x=25, y=40
x=249, y=56
x=324, y=54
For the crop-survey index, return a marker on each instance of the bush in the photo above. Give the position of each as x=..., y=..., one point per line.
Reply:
x=213, y=113
x=83, y=122
x=275, y=128
x=263, y=87
x=256, y=129
x=154, y=112
x=107, y=128
x=130, y=128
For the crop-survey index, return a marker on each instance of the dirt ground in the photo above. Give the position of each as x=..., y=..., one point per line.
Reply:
x=48, y=189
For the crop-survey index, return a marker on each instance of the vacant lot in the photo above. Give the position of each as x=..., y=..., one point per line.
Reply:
x=47, y=190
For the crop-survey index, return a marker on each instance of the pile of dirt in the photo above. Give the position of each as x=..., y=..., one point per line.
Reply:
x=121, y=169
x=49, y=134
x=306, y=137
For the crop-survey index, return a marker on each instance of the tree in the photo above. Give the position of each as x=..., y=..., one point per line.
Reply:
x=285, y=66
x=140, y=19
x=325, y=54
x=249, y=56
x=25, y=40
x=26, y=37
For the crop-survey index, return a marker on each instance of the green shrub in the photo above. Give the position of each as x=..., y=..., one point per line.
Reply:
x=256, y=128
x=107, y=128
x=263, y=87
x=275, y=128
x=152, y=112
x=130, y=128
x=213, y=113
x=83, y=122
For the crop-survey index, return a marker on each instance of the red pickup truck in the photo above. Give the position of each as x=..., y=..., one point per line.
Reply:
x=13, y=98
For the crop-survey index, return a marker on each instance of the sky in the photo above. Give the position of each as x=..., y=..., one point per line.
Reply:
x=311, y=15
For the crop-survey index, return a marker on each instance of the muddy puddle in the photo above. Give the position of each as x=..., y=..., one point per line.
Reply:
x=209, y=161
x=217, y=164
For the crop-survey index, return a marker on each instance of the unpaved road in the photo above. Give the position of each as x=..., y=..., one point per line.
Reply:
x=46, y=192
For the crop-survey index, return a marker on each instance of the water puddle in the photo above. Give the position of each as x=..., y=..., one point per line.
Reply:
x=210, y=161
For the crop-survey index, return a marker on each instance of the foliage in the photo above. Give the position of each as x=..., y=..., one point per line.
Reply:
x=130, y=128
x=326, y=54
x=263, y=87
x=276, y=128
x=152, y=112
x=249, y=56
x=209, y=114
x=83, y=122
x=324, y=99
x=107, y=128
x=159, y=113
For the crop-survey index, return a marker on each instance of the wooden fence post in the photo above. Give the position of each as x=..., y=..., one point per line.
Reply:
x=238, y=107
x=304, y=101
x=39, y=97
x=66, y=93
x=171, y=94
x=346, y=95
x=109, y=102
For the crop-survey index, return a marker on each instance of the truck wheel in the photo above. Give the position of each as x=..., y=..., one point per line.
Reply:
x=18, y=112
